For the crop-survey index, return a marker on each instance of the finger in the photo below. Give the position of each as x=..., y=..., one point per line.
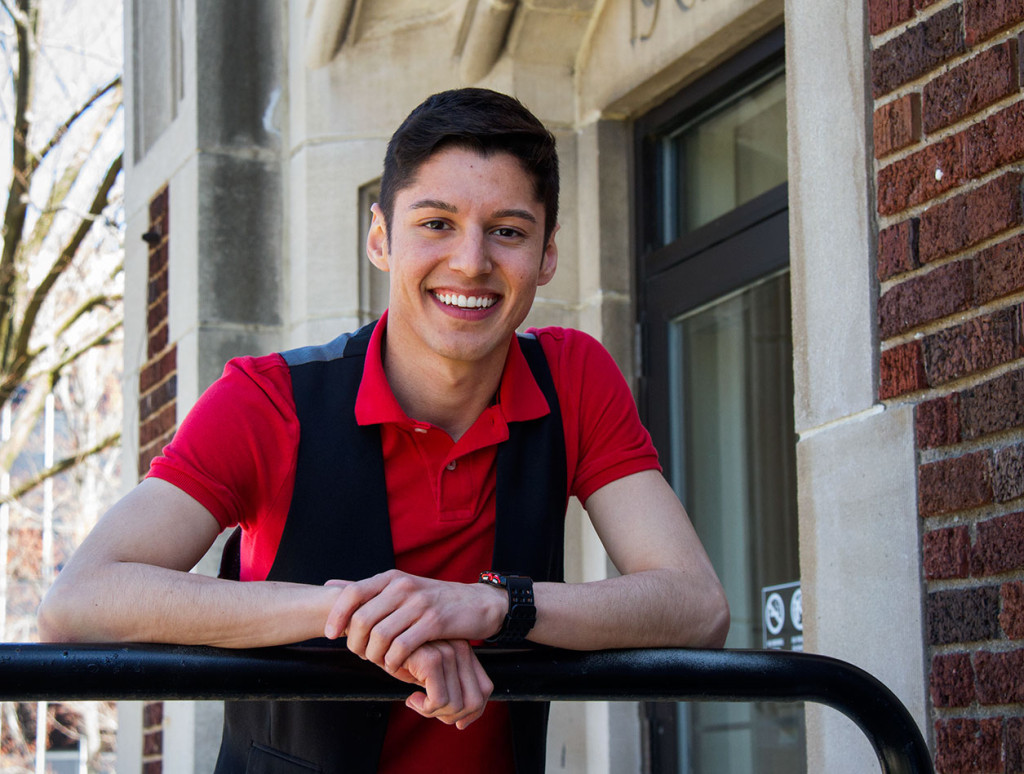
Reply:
x=476, y=686
x=402, y=634
x=388, y=640
x=426, y=666
x=448, y=710
x=369, y=613
x=352, y=597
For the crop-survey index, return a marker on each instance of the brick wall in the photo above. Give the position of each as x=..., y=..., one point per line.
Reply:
x=158, y=385
x=947, y=81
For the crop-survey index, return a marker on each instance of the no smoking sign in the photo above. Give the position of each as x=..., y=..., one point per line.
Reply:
x=782, y=617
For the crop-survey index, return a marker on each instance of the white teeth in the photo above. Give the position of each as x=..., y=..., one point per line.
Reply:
x=465, y=302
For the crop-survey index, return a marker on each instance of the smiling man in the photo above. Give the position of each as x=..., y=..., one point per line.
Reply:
x=401, y=491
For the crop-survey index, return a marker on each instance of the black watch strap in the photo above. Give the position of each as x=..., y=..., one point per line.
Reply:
x=522, y=613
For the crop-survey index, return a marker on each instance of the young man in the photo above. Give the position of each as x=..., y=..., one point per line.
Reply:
x=404, y=487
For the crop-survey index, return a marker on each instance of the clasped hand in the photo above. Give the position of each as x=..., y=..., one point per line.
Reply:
x=419, y=630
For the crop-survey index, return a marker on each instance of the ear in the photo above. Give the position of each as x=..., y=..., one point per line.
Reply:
x=549, y=260
x=377, y=239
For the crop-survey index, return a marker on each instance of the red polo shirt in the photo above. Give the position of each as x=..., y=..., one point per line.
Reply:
x=236, y=453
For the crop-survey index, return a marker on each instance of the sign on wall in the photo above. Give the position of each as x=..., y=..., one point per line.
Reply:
x=782, y=617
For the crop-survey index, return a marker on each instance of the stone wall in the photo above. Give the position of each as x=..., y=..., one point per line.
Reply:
x=949, y=145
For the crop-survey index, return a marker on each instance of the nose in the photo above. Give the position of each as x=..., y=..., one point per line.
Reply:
x=470, y=256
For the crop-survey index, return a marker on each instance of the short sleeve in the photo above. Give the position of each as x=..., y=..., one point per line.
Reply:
x=605, y=438
x=235, y=451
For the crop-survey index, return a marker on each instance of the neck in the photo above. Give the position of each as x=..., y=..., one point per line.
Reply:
x=448, y=394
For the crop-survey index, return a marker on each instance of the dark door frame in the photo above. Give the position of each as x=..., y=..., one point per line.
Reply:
x=742, y=246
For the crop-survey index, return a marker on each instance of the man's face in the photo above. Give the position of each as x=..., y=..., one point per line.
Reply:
x=466, y=254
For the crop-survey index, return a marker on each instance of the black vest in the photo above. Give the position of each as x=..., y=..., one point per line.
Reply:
x=339, y=480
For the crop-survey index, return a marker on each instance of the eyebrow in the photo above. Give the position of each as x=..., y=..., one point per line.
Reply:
x=433, y=204
x=437, y=204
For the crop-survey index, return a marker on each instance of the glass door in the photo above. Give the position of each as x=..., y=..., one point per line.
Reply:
x=717, y=389
x=730, y=380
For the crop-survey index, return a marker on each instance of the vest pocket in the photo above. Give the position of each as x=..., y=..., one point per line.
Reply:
x=265, y=760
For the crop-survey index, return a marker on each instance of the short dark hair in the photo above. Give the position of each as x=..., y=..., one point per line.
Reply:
x=481, y=120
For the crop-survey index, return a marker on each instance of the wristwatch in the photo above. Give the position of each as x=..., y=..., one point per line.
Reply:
x=522, y=614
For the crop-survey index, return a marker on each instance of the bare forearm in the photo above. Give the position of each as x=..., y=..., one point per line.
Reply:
x=126, y=602
x=652, y=608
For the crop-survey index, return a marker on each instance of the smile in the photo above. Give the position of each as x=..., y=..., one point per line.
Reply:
x=466, y=302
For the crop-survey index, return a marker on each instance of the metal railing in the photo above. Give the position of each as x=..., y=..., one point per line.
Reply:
x=30, y=672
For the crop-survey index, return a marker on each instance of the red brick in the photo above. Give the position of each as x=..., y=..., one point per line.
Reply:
x=157, y=340
x=968, y=155
x=952, y=680
x=971, y=347
x=971, y=217
x=1011, y=616
x=984, y=18
x=937, y=422
x=897, y=249
x=968, y=746
x=995, y=142
x=920, y=4
x=153, y=743
x=1013, y=746
x=157, y=314
x=947, y=553
x=993, y=406
x=897, y=125
x=151, y=451
x=917, y=51
x=901, y=370
x=153, y=767
x=913, y=180
x=157, y=425
x=885, y=14
x=1008, y=473
x=152, y=714
x=158, y=260
x=932, y=296
x=158, y=206
x=1000, y=544
x=158, y=370
x=157, y=287
x=157, y=398
x=955, y=484
x=962, y=615
x=1000, y=677
x=967, y=88
x=999, y=270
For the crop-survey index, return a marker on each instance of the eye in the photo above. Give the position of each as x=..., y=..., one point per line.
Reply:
x=435, y=224
x=507, y=232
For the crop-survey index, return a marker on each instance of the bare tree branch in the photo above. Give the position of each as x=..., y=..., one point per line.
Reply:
x=100, y=201
x=63, y=129
x=100, y=340
x=17, y=192
x=106, y=300
x=61, y=189
x=60, y=467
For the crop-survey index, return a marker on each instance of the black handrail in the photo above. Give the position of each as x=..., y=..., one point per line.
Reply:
x=30, y=672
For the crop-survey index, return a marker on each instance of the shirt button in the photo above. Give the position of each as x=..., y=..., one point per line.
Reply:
x=451, y=465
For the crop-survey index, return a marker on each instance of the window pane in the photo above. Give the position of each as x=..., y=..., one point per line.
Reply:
x=731, y=394
x=731, y=155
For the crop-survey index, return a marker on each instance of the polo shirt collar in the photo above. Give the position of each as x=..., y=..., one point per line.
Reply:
x=519, y=396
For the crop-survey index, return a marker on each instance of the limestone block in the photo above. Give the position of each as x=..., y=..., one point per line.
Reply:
x=240, y=240
x=861, y=569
